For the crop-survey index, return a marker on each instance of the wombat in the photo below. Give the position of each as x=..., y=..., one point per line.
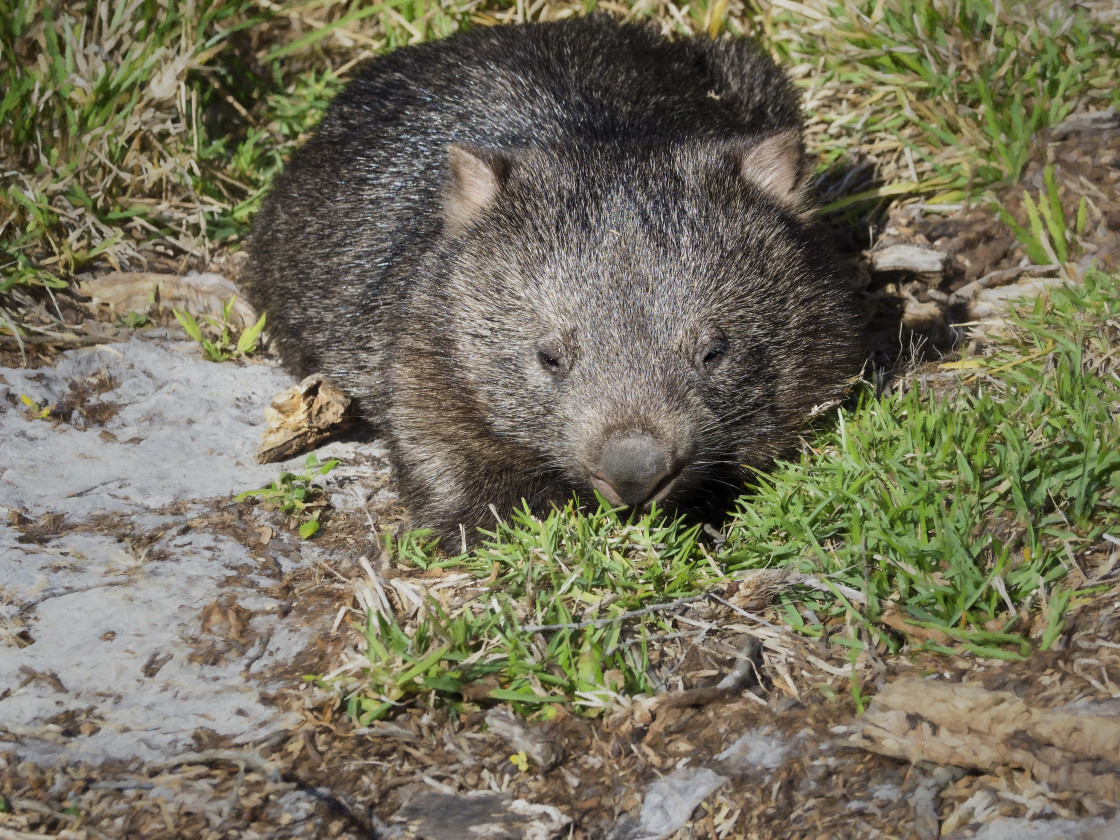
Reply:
x=554, y=259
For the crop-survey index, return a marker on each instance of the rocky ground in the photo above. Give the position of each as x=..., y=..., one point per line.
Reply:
x=154, y=633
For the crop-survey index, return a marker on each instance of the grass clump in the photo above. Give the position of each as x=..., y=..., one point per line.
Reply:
x=222, y=346
x=947, y=521
x=296, y=495
x=571, y=608
x=1048, y=237
x=149, y=130
x=101, y=129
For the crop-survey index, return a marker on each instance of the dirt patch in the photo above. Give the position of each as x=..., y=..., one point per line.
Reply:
x=1084, y=155
x=82, y=407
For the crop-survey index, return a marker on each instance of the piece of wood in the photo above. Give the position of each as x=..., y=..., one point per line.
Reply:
x=198, y=294
x=996, y=302
x=303, y=417
x=909, y=259
x=964, y=295
x=969, y=726
x=482, y=814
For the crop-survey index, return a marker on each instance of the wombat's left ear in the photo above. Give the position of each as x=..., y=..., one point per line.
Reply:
x=477, y=176
x=776, y=164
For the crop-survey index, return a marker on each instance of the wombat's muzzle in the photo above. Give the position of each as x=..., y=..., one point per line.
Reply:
x=633, y=469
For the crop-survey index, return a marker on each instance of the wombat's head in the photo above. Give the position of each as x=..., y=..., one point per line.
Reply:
x=645, y=324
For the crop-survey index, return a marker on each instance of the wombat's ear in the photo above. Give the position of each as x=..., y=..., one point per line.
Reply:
x=477, y=176
x=776, y=164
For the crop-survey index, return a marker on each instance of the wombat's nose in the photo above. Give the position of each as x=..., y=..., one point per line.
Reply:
x=631, y=469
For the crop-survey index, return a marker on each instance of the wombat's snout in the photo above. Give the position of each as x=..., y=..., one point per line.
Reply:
x=632, y=469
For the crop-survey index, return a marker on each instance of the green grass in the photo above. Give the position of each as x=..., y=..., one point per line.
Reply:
x=602, y=585
x=957, y=508
x=926, y=521
x=223, y=345
x=159, y=124
x=128, y=141
x=1047, y=235
x=296, y=495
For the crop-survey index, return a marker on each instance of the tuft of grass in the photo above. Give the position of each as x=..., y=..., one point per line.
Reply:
x=296, y=495
x=1048, y=237
x=133, y=320
x=939, y=521
x=34, y=409
x=141, y=130
x=100, y=128
x=222, y=347
x=573, y=604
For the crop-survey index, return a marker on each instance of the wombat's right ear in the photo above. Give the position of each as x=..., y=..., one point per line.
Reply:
x=477, y=176
x=776, y=163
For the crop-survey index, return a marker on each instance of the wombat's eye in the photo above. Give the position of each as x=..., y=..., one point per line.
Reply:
x=553, y=357
x=710, y=351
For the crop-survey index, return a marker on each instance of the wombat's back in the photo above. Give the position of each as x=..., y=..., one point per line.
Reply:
x=360, y=203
